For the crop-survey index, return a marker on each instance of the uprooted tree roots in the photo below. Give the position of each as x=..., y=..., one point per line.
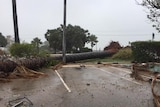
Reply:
x=21, y=68
x=21, y=72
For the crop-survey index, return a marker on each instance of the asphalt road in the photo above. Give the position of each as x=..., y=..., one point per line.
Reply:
x=90, y=86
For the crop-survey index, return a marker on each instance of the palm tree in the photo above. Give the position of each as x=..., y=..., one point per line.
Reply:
x=93, y=40
x=15, y=21
x=36, y=42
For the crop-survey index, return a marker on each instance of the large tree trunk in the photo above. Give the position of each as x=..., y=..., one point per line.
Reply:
x=15, y=22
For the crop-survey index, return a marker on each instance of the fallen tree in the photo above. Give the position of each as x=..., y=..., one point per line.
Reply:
x=86, y=55
x=8, y=66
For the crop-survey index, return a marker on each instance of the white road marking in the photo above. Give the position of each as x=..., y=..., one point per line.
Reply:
x=63, y=81
x=120, y=76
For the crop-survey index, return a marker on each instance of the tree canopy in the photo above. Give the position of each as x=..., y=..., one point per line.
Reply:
x=76, y=38
x=154, y=12
x=3, y=41
x=54, y=37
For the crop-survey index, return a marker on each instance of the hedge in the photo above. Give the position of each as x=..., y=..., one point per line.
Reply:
x=146, y=51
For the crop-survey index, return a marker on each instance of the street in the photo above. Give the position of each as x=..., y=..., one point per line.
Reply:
x=86, y=86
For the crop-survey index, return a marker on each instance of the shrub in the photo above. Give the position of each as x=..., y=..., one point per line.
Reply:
x=53, y=62
x=146, y=51
x=85, y=49
x=43, y=53
x=123, y=54
x=22, y=50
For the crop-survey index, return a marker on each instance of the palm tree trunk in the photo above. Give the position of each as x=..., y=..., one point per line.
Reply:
x=15, y=21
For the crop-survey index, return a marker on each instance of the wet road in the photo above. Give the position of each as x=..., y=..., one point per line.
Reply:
x=90, y=86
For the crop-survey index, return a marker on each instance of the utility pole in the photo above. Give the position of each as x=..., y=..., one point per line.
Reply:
x=15, y=22
x=64, y=33
x=153, y=35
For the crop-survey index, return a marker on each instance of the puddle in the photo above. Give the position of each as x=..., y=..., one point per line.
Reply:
x=155, y=68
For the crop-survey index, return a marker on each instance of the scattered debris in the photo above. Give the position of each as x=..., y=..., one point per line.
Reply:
x=20, y=102
x=99, y=62
x=82, y=66
x=155, y=95
x=79, y=66
x=58, y=66
x=88, y=84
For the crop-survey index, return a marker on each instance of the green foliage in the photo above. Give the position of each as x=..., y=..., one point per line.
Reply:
x=45, y=47
x=146, y=51
x=76, y=37
x=26, y=50
x=53, y=62
x=36, y=42
x=22, y=50
x=153, y=13
x=43, y=53
x=3, y=41
x=123, y=54
x=92, y=39
x=85, y=49
x=54, y=37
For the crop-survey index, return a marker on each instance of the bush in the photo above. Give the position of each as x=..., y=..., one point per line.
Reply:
x=85, y=49
x=22, y=50
x=123, y=54
x=146, y=51
x=53, y=62
x=43, y=53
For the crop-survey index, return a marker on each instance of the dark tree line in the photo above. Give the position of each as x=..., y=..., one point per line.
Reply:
x=3, y=41
x=76, y=38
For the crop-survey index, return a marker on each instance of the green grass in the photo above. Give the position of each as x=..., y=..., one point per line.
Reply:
x=115, y=60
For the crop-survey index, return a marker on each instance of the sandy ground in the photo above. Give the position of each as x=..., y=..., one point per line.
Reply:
x=90, y=86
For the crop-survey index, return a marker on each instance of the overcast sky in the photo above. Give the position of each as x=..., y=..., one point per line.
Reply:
x=118, y=20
